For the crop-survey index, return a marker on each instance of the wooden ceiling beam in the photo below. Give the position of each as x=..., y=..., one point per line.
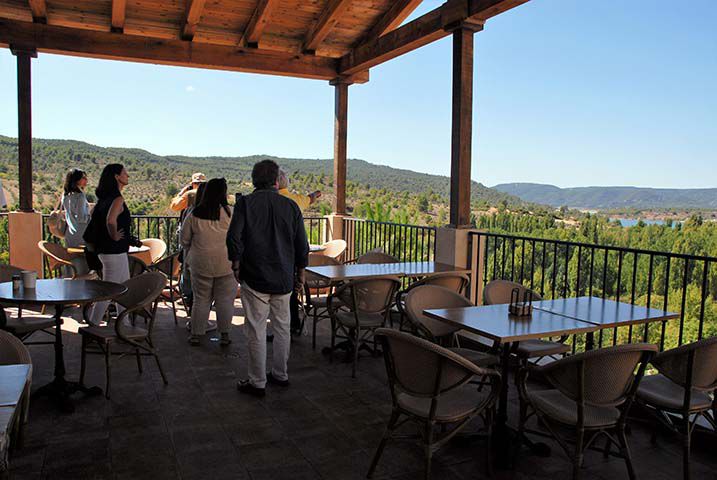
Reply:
x=39, y=10
x=257, y=23
x=119, y=9
x=393, y=18
x=192, y=18
x=426, y=29
x=137, y=48
x=327, y=20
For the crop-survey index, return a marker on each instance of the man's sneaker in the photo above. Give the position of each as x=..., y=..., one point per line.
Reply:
x=246, y=387
x=273, y=380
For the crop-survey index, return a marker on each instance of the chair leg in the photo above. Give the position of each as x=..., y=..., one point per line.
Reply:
x=83, y=360
x=108, y=357
x=139, y=359
x=356, y=351
x=313, y=334
x=333, y=342
x=379, y=451
x=578, y=459
x=686, y=447
x=429, y=449
x=159, y=366
x=174, y=305
x=625, y=452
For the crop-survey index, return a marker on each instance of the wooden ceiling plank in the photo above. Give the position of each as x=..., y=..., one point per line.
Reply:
x=39, y=10
x=428, y=28
x=327, y=20
x=257, y=23
x=393, y=18
x=143, y=49
x=119, y=13
x=192, y=18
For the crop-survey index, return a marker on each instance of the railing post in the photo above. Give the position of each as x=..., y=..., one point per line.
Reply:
x=334, y=227
x=478, y=253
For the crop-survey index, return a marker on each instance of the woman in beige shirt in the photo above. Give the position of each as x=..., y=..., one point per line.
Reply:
x=203, y=236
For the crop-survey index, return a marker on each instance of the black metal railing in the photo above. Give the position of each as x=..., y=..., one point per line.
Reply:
x=165, y=227
x=408, y=243
x=669, y=281
x=316, y=229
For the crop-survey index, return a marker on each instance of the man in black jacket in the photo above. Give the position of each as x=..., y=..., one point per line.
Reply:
x=268, y=249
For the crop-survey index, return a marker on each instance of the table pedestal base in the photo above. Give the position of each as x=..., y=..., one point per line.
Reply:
x=59, y=391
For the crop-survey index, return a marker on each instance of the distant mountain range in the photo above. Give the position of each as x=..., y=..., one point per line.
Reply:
x=613, y=197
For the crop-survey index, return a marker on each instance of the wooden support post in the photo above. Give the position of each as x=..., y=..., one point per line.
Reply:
x=24, y=125
x=462, y=129
x=341, y=105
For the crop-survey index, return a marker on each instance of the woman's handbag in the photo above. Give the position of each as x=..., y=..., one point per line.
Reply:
x=57, y=222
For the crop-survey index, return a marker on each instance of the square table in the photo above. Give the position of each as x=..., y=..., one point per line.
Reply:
x=336, y=273
x=603, y=312
x=496, y=323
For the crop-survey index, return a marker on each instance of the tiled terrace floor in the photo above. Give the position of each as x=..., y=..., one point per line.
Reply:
x=325, y=425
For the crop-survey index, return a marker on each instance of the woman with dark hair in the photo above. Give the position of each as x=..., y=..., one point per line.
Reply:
x=203, y=237
x=76, y=207
x=109, y=233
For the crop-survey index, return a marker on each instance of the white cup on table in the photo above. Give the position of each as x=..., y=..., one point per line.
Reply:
x=29, y=279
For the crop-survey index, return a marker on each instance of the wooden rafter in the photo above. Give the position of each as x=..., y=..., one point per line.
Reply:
x=39, y=10
x=119, y=8
x=327, y=20
x=137, y=48
x=257, y=23
x=428, y=28
x=191, y=20
x=393, y=18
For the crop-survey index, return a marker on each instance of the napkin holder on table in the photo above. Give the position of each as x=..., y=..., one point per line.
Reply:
x=518, y=308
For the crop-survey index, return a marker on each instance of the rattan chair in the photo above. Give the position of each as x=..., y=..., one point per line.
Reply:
x=334, y=248
x=368, y=302
x=456, y=282
x=684, y=387
x=376, y=257
x=157, y=248
x=136, y=266
x=316, y=293
x=13, y=351
x=426, y=297
x=498, y=292
x=57, y=258
x=140, y=299
x=430, y=386
x=592, y=394
x=171, y=268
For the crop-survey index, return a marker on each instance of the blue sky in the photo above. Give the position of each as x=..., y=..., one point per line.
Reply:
x=573, y=93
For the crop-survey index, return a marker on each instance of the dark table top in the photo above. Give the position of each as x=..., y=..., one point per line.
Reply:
x=61, y=292
x=605, y=313
x=494, y=322
x=367, y=270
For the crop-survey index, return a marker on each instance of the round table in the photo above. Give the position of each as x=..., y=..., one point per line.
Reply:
x=142, y=253
x=60, y=293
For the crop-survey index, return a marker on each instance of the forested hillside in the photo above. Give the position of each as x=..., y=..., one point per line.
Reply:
x=375, y=191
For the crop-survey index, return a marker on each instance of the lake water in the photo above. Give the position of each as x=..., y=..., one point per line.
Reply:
x=631, y=222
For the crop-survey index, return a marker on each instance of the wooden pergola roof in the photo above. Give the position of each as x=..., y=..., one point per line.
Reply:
x=322, y=39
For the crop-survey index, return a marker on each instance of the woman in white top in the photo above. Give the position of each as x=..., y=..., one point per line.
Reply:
x=76, y=207
x=77, y=214
x=203, y=237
